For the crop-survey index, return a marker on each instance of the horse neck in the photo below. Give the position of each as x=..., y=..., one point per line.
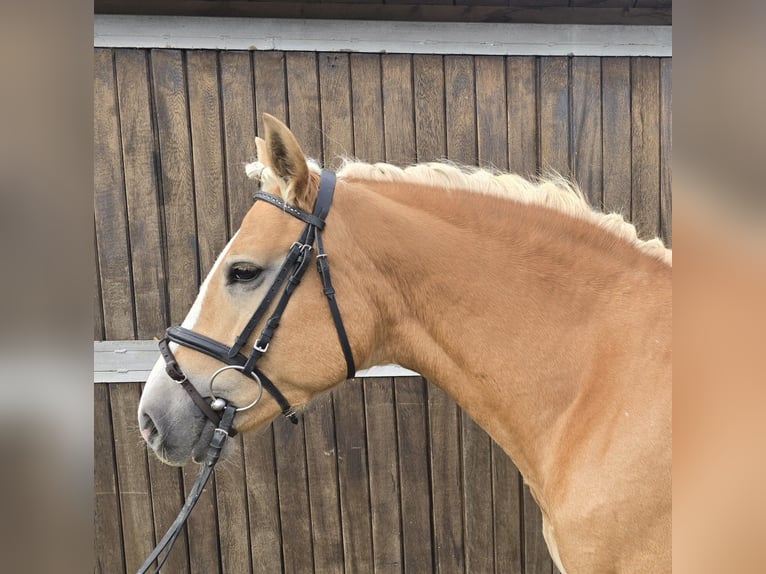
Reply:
x=502, y=305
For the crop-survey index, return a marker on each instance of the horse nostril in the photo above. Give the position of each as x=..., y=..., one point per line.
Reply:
x=148, y=428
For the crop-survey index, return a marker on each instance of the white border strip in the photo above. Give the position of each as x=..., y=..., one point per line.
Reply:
x=186, y=32
x=132, y=361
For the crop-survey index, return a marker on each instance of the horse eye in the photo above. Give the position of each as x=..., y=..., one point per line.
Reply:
x=243, y=273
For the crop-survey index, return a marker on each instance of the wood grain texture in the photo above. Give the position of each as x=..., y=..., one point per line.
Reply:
x=385, y=488
x=107, y=528
x=645, y=122
x=478, y=520
x=461, y=109
x=141, y=167
x=554, y=115
x=587, y=158
x=430, y=127
x=367, y=107
x=322, y=467
x=536, y=557
x=238, y=132
x=507, y=511
x=132, y=476
x=337, y=123
x=167, y=499
x=666, y=146
x=109, y=204
x=207, y=150
x=446, y=482
x=231, y=504
x=303, y=97
x=616, y=144
x=523, y=132
x=491, y=117
x=353, y=476
x=202, y=526
x=98, y=309
x=398, y=109
x=171, y=105
x=270, y=87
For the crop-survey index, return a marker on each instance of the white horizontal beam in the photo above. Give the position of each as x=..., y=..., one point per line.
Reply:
x=132, y=361
x=190, y=32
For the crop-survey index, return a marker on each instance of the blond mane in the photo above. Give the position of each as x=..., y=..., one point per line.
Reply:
x=554, y=192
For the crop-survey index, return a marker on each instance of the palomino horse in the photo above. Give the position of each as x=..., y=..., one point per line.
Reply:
x=548, y=323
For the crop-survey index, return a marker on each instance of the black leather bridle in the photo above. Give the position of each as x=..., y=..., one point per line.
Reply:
x=219, y=411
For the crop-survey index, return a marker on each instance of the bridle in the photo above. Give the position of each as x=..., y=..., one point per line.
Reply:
x=218, y=410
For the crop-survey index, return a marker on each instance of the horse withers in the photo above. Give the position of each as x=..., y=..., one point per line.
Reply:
x=547, y=322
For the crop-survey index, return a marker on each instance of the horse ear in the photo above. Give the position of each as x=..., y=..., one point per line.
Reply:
x=282, y=153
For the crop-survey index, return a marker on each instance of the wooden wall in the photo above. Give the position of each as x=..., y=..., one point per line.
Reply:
x=385, y=474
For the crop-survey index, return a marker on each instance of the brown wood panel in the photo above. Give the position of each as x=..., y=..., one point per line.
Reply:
x=322, y=465
x=141, y=190
x=263, y=500
x=238, y=131
x=167, y=499
x=98, y=309
x=232, y=516
x=353, y=476
x=398, y=109
x=337, y=123
x=171, y=106
x=507, y=511
x=202, y=526
x=446, y=482
x=270, y=86
x=461, y=109
x=385, y=490
x=537, y=560
x=412, y=432
x=477, y=497
x=294, y=511
x=207, y=151
x=303, y=97
x=107, y=534
x=615, y=94
x=132, y=476
x=645, y=122
x=521, y=73
x=586, y=150
x=554, y=115
x=367, y=107
x=430, y=127
x=666, y=145
x=491, y=116
x=109, y=203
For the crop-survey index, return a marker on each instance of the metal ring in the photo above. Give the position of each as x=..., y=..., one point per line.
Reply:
x=240, y=369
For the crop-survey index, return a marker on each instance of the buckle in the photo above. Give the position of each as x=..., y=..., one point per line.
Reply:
x=260, y=349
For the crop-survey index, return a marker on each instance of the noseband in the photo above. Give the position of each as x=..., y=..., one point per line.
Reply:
x=290, y=273
x=218, y=410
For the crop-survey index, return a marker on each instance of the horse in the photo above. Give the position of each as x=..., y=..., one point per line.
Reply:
x=547, y=321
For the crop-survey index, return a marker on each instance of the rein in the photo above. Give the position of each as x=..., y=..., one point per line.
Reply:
x=218, y=410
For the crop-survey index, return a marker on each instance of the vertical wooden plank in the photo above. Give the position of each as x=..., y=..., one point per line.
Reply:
x=367, y=107
x=477, y=497
x=353, y=476
x=412, y=431
x=615, y=94
x=461, y=109
x=132, y=475
x=491, y=118
x=107, y=535
x=172, y=113
x=523, y=136
x=666, y=145
x=537, y=560
x=586, y=128
x=322, y=466
x=554, y=115
x=239, y=132
x=506, y=490
x=645, y=144
x=335, y=95
x=207, y=150
x=98, y=309
x=303, y=97
x=398, y=109
x=109, y=203
x=231, y=504
x=263, y=500
x=270, y=88
x=446, y=482
x=430, y=128
x=141, y=189
x=202, y=526
x=295, y=516
x=385, y=492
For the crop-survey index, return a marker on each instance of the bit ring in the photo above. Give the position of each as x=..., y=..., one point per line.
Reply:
x=240, y=369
